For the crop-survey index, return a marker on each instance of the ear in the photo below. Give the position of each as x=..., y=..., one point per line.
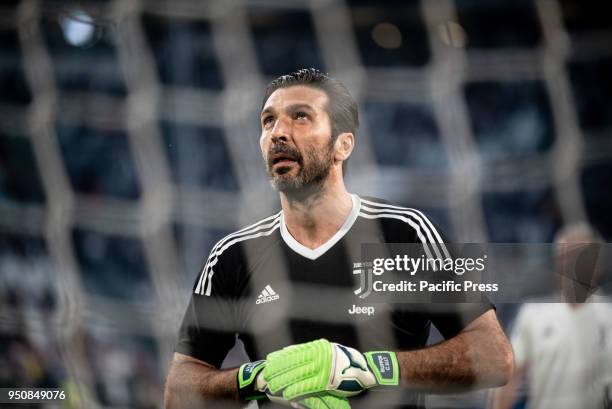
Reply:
x=345, y=142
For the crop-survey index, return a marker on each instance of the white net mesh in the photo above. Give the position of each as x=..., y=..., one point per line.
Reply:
x=129, y=145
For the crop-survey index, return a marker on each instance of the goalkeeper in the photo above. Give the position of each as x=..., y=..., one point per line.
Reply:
x=257, y=282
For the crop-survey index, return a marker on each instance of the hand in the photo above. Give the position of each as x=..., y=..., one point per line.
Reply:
x=250, y=381
x=251, y=386
x=323, y=401
x=320, y=366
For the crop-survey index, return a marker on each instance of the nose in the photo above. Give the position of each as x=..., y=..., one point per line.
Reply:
x=279, y=139
x=281, y=131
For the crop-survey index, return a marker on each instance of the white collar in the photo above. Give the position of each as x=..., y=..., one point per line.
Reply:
x=313, y=254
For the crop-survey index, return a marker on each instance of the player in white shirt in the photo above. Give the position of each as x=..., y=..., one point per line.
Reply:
x=563, y=350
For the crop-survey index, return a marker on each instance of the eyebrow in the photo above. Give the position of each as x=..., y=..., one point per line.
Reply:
x=267, y=110
x=290, y=108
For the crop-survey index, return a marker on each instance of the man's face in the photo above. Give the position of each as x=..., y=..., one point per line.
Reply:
x=577, y=266
x=296, y=141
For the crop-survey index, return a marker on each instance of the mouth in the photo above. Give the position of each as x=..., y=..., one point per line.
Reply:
x=282, y=160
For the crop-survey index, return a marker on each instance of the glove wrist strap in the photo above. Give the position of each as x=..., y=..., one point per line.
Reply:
x=247, y=381
x=384, y=366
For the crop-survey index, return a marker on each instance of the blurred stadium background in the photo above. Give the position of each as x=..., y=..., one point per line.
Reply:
x=129, y=145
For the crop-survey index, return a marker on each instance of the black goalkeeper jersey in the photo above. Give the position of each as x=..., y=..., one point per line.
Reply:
x=263, y=285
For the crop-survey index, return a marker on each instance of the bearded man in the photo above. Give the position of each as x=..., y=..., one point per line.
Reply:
x=285, y=285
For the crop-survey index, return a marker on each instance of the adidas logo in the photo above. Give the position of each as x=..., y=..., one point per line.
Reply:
x=267, y=295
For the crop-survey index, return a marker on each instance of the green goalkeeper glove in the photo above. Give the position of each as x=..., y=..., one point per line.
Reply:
x=325, y=401
x=322, y=366
x=252, y=386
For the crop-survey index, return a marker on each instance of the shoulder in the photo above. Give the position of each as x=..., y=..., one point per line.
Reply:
x=537, y=314
x=402, y=218
x=254, y=232
x=381, y=206
x=601, y=305
x=227, y=252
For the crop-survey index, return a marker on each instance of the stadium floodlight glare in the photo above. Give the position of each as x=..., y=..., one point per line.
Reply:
x=78, y=27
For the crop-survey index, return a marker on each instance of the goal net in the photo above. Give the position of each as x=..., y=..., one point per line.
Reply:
x=129, y=146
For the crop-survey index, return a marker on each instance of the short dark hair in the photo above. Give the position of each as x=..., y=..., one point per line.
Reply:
x=342, y=108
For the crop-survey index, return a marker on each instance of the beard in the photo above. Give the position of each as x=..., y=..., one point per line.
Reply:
x=314, y=167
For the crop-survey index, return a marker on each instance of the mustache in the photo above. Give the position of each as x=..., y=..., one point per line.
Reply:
x=288, y=151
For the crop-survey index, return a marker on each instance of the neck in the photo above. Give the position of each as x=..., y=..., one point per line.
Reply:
x=314, y=214
x=574, y=293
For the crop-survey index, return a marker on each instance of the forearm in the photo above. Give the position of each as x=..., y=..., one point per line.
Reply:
x=504, y=397
x=470, y=360
x=191, y=384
